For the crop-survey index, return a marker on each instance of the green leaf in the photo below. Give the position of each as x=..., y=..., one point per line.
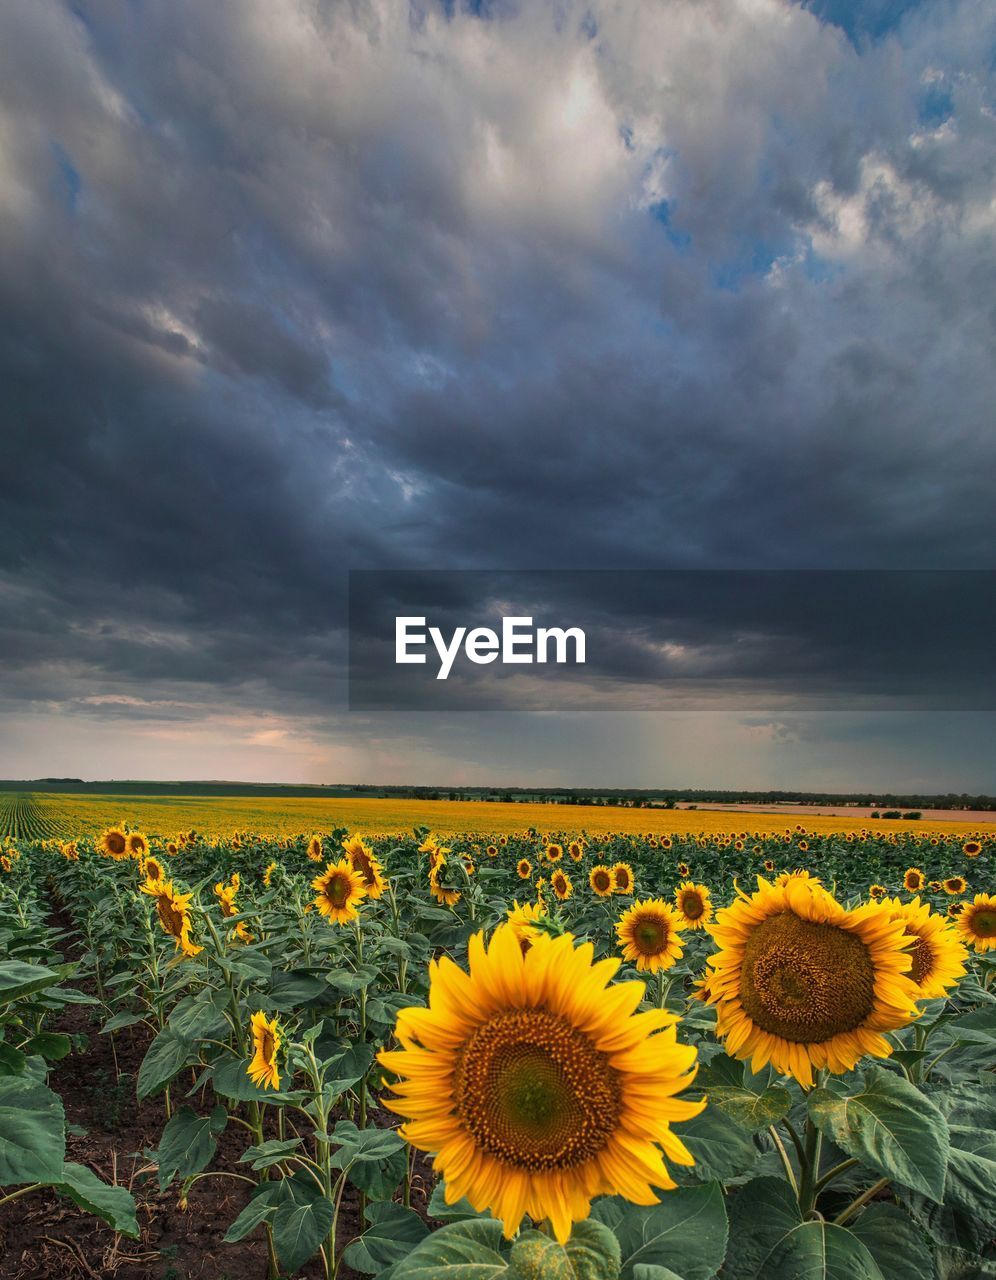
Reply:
x=230, y=1078
x=593, y=1252
x=18, y=979
x=897, y=1244
x=440, y=1211
x=166, y=1055
x=115, y=1205
x=293, y=988
x=348, y=1068
x=119, y=1021
x=12, y=1061
x=687, y=1230
x=188, y=1143
x=390, y=1237
x=770, y=1241
x=380, y=1178
x=261, y=1208
x=200, y=1016
x=52, y=1045
x=971, y=1177
x=269, y=1153
x=644, y=1272
x=959, y=1264
x=461, y=1251
x=32, y=1132
x=303, y=1219
x=752, y=1111
x=362, y=1144
x=890, y=1126
x=722, y=1149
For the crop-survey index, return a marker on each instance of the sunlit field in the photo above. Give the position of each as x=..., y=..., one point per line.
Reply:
x=46, y=814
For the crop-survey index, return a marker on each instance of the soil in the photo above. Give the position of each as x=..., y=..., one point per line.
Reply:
x=43, y=1236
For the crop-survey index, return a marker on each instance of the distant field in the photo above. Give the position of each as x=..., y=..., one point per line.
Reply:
x=40, y=814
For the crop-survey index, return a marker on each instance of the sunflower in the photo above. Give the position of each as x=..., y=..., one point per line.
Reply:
x=913, y=880
x=151, y=868
x=971, y=848
x=69, y=851
x=684, y=870
x=560, y=884
x=955, y=909
x=225, y=893
x=601, y=880
x=785, y=877
x=492, y=851
x=877, y=891
x=365, y=861
x=262, y=1070
x=268, y=874
x=769, y=864
x=173, y=910
x=694, y=905
x=314, y=849
x=114, y=843
x=955, y=884
x=574, y=851
x=622, y=878
x=803, y=846
x=5, y=862
x=443, y=893
x=172, y=849
x=138, y=846
x=938, y=957
x=554, y=852
x=801, y=982
x=666, y=842
x=537, y=1085
x=338, y=892
x=648, y=935
x=523, y=920
x=935, y=886
x=523, y=868
x=977, y=922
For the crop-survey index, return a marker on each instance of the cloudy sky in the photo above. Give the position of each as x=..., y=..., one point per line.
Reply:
x=292, y=289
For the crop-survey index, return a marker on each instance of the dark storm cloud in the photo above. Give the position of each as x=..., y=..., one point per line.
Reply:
x=293, y=289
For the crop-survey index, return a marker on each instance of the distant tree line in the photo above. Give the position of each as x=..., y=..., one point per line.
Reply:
x=887, y=803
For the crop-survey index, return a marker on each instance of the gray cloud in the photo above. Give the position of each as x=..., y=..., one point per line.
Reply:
x=292, y=290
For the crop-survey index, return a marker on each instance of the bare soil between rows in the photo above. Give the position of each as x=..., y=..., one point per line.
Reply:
x=44, y=1236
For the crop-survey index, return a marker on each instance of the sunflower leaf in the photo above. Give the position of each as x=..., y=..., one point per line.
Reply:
x=32, y=1132
x=166, y=1055
x=686, y=1230
x=461, y=1251
x=752, y=1111
x=390, y=1237
x=897, y=1244
x=890, y=1126
x=114, y=1204
x=770, y=1241
x=188, y=1143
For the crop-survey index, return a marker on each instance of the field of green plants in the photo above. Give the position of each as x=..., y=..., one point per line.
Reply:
x=540, y=1055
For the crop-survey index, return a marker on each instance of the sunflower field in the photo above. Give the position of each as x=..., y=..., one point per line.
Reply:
x=533, y=1055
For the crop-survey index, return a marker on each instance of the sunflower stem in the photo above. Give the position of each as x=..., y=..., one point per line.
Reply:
x=835, y=1172
x=786, y=1162
x=860, y=1201
x=810, y=1168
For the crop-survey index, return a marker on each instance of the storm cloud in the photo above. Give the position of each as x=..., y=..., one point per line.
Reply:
x=288, y=290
